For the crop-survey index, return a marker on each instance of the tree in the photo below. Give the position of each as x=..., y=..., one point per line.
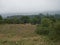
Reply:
x=45, y=22
x=36, y=20
x=44, y=27
x=25, y=19
x=8, y=21
x=1, y=17
x=15, y=20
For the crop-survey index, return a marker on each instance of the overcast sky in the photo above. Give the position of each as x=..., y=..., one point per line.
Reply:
x=26, y=6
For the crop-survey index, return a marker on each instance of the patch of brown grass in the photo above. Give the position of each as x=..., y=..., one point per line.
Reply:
x=17, y=30
x=21, y=34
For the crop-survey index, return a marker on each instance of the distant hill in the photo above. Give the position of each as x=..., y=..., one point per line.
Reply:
x=31, y=15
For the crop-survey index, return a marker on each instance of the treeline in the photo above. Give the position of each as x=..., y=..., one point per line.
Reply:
x=33, y=19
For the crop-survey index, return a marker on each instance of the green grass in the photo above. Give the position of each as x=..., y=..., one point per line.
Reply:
x=22, y=34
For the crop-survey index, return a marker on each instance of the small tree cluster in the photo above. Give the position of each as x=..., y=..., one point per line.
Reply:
x=49, y=27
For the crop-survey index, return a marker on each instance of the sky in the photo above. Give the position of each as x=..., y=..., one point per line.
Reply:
x=28, y=6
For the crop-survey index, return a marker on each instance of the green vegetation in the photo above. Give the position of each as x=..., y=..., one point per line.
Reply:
x=49, y=27
x=30, y=30
x=25, y=19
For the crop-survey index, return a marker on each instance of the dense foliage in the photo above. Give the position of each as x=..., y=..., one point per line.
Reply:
x=33, y=19
x=49, y=27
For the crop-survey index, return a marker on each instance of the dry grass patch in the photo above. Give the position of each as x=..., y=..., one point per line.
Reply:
x=21, y=34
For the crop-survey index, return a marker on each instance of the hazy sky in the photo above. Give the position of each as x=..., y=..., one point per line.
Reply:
x=26, y=6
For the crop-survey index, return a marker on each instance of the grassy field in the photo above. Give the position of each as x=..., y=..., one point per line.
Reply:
x=22, y=34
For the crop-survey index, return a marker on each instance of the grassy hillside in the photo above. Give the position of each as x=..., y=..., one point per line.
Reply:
x=22, y=34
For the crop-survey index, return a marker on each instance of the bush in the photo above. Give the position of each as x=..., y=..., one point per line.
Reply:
x=42, y=30
x=45, y=22
x=54, y=33
x=1, y=21
x=44, y=27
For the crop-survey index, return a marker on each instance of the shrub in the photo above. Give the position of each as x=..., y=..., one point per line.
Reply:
x=44, y=27
x=42, y=30
x=54, y=33
x=45, y=22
